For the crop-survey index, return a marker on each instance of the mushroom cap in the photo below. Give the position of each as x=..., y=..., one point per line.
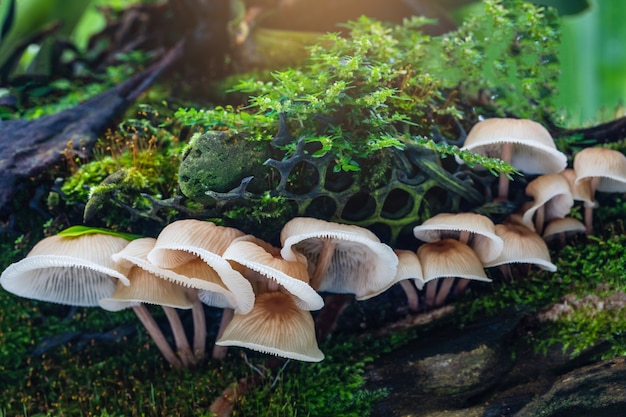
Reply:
x=409, y=267
x=194, y=273
x=581, y=190
x=266, y=260
x=450, y=258
x=67, y=270
x=567, y=225
x=148, y=288
x=551, y=191
x=534, y=151
x=177, y=238
x=606, y=164
x=483, y=239
x=360, y=265
x=522, y=245
x=186, y=240
x=277, y=326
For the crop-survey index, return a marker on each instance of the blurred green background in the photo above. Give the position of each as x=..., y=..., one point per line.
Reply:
x=593, y=49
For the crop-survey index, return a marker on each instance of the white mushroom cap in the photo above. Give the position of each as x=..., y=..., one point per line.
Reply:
x=608, y=165
x=450, y=258
x=534, y=151
x=360, y=265
x=194, y=273
x=581, y=189
x=187, y=240
x=68, y=270
x=567, y=225
x=409, y=267
x=266, y=260
x=551, y=191
x=484, y=241
x=277, y=326
x=522, y=245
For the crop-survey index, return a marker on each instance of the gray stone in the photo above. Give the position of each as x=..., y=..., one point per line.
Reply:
x=218, y=161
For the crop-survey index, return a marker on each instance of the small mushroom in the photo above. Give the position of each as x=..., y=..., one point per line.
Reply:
x=523, y=143
x=581, y=191
x=409, y=269
x=606, y=169
x=67, y=269
x=342, y=258
x=552, y=200
x=275, y=325
x=475, y=230
x=446, y=259
x=560, y=229
x=522, y=246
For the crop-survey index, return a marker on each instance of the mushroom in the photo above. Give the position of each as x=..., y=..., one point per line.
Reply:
x=581, y=191
x=409, y=269
x=185, y=241
x=475, y=230
x=68, y=269
x=448, y=258
x=606, y=169
x=269, y=273
x=275, y=325
x=552, y=200
x=342, y=258
x=521, y=246
x=561, y=228
x=523, y=143
x=147, y=286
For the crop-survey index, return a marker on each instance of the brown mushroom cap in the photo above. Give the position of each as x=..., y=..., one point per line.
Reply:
x=360, y=264
x=450, y=258
x=522, y=245
x=607, y=165
x=277, y=326
x=266, y=260
x=534, y=151
x=148, y=288
x=483, y=239
x=68, y=270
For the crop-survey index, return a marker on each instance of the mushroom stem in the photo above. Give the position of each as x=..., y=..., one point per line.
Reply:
x=323, y=262
x=157, y=335
x=540, y=217
x=411, y=294
x=588, y=218
x=199, y=327
x=461, y=285
x=180, y=338
x=444, y=290
x=503, y=183
x=219, y=352
x=431, y=292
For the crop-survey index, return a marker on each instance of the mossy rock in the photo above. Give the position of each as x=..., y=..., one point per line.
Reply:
x=218, y=161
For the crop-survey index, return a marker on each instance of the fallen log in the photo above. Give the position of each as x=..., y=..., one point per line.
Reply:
x=29, y=147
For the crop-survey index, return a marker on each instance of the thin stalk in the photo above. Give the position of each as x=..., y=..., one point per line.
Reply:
x=323, y=262
x=182, y=343
x=411, y=294
x=199, y=327
x=444, y=290
x=157, y=335
x=219, y=352
x=503, y=183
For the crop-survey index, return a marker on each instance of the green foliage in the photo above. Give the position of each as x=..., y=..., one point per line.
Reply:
x=366, y=91
x=255, y=126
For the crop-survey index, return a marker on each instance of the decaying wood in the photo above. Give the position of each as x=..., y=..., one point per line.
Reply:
x=28, y=147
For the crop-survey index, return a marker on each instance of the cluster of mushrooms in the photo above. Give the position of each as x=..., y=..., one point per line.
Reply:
x=267, y=293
